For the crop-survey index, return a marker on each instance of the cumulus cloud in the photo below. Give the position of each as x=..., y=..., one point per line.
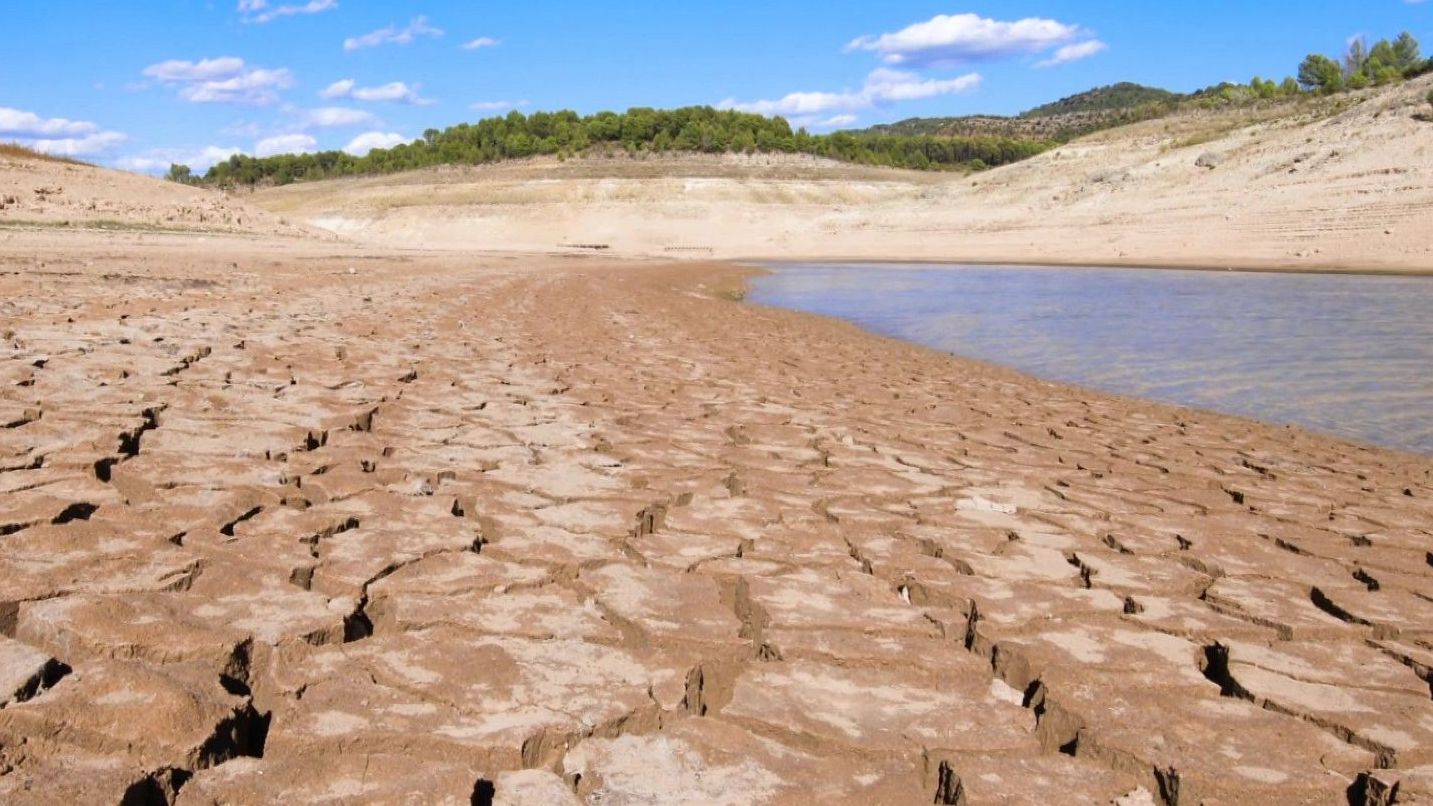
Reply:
x=157, y=161
x=22, y=123
x=338, y=89
x=334, y=116
x=1074, y=53
x=883, y=86
x=285, y=144
x=835, y=122
x=948, y=39
x=481, y=42
x=86, y=146
x=258, y=87
x=395, y=91
x=177, y=70
x=495, y=106
x=260, y=11
x=59, y=136
x=142, y=165
x=366, y=142
x=393, y=35
x=225, y=80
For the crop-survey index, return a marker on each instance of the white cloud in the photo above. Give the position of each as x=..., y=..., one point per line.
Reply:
x=225, y=80
x=834, y=122
x=396, y=91
x=882, y=86
x=481, y=42
x=338, y=89
x=285, y=144
x=393, y=35
x=1074, y=53
x=157, y=161
x=948, y=39
x=20, y=122
x=59, y=136
x=258, y=87
x=260, y=11
x=176, y=70
x=142, y=165
x=332, y=116
x=886, y=86
x=86, y=146
x=366, y=142
x=496, y=106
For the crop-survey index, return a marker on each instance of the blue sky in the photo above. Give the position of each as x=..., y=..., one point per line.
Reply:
x=139, y=84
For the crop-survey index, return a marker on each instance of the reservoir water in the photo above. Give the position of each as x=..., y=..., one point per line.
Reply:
x=1343, y=354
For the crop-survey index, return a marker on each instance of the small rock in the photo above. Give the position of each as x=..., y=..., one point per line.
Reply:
x=1209, y=160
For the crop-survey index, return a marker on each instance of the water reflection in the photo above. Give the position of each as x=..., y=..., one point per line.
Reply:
x=1349, y=355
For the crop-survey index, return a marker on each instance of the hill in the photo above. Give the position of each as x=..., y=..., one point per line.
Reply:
x=42, y=191
x=1065, y=119
x=1113, y=98
x=1308, y=181
x=689, y=130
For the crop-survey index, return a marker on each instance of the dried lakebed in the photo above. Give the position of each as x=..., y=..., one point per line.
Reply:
x=1348, y=355
x=538, y=530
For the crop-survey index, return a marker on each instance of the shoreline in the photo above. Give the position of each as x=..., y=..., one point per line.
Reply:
x=1255, y=267
x=750, y=270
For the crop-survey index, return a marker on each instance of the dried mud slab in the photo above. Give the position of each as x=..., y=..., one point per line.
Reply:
x=368, y=778
x=306, y=523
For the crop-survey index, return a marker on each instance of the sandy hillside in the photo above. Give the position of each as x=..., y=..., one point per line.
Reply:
x=44, y=193
x=1344, y=183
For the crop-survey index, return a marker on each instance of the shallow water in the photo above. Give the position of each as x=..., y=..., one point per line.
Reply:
x=1344, y=354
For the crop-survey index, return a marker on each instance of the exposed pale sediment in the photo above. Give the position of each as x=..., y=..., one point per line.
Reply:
x=1340, y=184
x=329, y=523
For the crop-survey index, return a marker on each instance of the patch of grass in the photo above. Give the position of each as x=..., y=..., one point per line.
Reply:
x=106, y=225
x=1200, y=138
x=1220, y=125
x=17, y=151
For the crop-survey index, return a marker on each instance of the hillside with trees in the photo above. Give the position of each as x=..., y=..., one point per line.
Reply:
x=1060, y=121
x=967, y=143
x=1124, y=103
x=698, y=129
x=1114, y=98
x=1363, y=66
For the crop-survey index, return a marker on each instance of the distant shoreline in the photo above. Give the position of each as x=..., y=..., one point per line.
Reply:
x=1156, y=265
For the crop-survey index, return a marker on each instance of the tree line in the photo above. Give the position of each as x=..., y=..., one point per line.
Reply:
x=696, y=129
x=1363, y=66
x=703, y=129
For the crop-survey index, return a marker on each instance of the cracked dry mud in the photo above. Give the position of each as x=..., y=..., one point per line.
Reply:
x=554, y=531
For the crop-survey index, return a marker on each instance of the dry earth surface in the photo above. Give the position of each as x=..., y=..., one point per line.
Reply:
x=293, y=520
x=325, y=525
x=1341, y=183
